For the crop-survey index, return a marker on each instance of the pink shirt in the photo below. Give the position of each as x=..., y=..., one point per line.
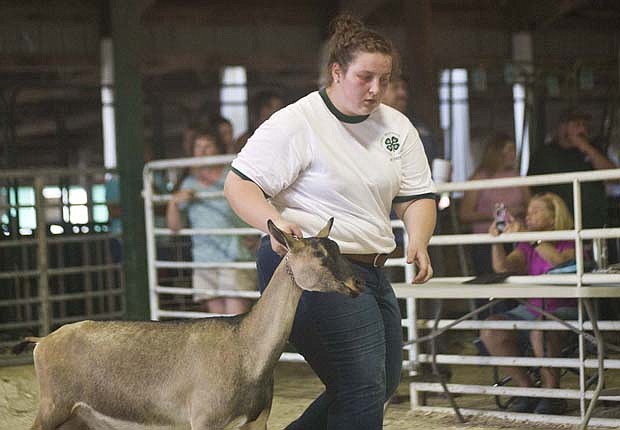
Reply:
x=536, y=265
x=512, y=198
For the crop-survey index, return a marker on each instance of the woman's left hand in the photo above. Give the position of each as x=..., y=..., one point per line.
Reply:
x=418, y=254
x=514, y=226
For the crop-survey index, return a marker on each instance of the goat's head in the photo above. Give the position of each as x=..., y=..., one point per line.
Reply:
x=316, y=263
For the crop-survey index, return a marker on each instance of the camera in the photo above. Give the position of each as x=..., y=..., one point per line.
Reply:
x=500, y=217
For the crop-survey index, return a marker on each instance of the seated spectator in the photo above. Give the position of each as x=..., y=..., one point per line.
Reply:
x=477, y=206
x=545, y=212
x=263, y=105
x=572, y=150
x=224, y=129
x=211, y=213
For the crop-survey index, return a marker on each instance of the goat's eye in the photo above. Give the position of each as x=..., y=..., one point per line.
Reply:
x=318, y=253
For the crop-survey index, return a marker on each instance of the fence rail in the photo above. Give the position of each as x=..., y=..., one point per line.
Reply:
x=604, y=285
x=574, y=284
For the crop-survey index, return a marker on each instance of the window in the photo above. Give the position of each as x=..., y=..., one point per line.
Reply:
x=76, y=212
x=100, y=209
x=454, y=117
x=62, y=206
x=234, y=98
x=521, y=126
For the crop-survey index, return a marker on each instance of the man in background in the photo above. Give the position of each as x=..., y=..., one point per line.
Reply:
x=397, y=96
x=571, y=150
x=264, y=104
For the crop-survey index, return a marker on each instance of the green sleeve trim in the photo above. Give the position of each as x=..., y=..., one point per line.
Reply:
x=246, y=178
x=401, y=199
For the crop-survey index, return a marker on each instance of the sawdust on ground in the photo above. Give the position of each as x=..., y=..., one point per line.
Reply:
x=296, y=387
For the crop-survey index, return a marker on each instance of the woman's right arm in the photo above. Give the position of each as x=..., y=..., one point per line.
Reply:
x=174, y=220
x=248, y=201
x=502, y=263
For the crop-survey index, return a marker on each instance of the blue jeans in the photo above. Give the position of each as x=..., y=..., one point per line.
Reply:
x=353, y=344
x=522, y=313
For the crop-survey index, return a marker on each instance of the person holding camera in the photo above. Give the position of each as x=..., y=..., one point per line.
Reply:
x=477, y=206
x=545, y=212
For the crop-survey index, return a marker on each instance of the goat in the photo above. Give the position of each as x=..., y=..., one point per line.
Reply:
x=211, y=373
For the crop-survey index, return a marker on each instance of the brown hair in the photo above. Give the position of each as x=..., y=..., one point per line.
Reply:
x=210, y=133
x=200, y=132
x=492, y=157
x=349, y=36
x=562, y=218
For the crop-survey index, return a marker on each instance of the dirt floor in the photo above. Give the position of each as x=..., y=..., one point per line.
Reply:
x=296, y=386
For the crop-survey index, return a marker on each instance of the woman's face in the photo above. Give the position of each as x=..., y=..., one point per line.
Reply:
x=360, y=89
x=226, y=134
x=539, y=217
x=509, y=154
x=205, y=146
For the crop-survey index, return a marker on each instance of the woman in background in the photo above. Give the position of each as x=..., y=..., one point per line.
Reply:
x=211, y=213
x=478, y=206
x=546, y=212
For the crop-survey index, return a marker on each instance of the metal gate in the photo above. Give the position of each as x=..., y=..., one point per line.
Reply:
x=57, y=261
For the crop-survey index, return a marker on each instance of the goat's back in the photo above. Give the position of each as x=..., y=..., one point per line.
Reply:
x=122, y=369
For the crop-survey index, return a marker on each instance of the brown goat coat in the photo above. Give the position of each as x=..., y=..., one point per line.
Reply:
x=215, y=373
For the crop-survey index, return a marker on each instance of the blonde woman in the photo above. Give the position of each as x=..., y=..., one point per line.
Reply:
x=545, y=212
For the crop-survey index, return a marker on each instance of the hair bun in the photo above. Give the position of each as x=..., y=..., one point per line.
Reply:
x=346, y=23
x=349, y=36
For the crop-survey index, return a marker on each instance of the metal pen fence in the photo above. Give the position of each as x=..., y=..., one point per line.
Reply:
x=171, y=297
x=579, y=285
x=55, y=266
x=177, y=305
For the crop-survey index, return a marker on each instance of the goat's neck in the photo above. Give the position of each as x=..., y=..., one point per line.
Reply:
x=267, y=327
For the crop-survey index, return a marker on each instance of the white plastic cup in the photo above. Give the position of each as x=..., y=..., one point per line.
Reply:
x=441, y=170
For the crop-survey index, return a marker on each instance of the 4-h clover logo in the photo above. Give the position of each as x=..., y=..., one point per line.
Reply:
x=391, y=142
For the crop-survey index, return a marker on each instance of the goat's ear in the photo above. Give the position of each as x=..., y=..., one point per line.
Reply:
x=283, y=238
x=325, y=230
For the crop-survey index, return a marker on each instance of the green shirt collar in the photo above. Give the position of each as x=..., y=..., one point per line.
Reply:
x=342, y=117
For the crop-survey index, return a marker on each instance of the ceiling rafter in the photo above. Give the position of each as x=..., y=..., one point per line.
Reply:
x=361, y=8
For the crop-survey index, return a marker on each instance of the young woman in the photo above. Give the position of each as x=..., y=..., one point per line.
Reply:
x=545, y=212
x=477, y=207
x=211, y=213
x=339, y=152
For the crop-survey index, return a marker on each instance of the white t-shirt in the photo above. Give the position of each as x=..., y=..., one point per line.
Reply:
x=315, y=163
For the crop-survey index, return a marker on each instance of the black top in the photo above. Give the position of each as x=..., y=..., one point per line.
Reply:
x=554, y=159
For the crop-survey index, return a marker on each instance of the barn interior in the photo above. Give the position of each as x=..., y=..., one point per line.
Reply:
x=71, y=71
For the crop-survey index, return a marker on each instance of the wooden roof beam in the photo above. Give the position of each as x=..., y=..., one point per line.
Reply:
x=553, y=11
x=361, y=8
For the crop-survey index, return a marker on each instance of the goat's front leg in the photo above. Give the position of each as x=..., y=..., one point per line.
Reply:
x=203, y=422
x=50, y=417
x=260, y=423
x=74, y=423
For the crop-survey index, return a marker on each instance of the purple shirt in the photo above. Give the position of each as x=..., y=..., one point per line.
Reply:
x=536, y=265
